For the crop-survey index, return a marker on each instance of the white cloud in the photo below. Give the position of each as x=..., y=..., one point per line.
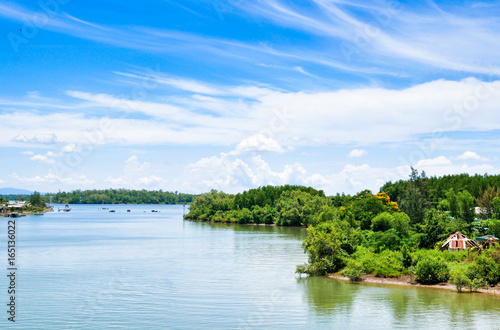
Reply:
x=69, y=148
x=357, y=153
x=147, y=181
x=470, y=155
x=132, y=159
x=441, y=160
x=52, y=178
x=298, y=119
x=258, y=142
x=135, y=175
x=42, y=159
x=20, y=138
x=233, y=175
x=45, y=139
x=27, y=152
x=37, y=139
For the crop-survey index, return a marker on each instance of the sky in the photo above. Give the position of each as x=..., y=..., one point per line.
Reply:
x=230, y=95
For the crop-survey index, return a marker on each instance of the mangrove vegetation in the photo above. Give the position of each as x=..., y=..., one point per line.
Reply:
x=398, y=231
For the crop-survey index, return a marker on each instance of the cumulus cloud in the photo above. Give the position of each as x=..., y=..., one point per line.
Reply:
x=470, y=155
x=357, y=153
x=258, y=142
x=69, y=148
x=42, y=159
x=441, y=160
x=20, y=138
x=135, y=175
x=37, y=139
x=52, y=178
x=147, y=181
x=232, y=174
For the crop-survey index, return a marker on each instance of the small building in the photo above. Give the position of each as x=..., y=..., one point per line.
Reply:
x=459, y=241
x=487, y=240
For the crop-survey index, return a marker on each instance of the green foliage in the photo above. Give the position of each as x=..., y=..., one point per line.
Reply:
x=298, y=208
x=268, y=195
x=485, y=202
x=476, y=283
x=459, y=278
x=493, y=226
x=439, y=186
x=120, y=196
x=431, y=271
x=496, y=207
x=406, y=258
x=434, y=228
x=382, y=222
x=364, y=208
x=323, y=245
x=466, y=206
x=384, y=264
x=414, y=201
x=485, y=267
x=353, y=270
x=36, y=200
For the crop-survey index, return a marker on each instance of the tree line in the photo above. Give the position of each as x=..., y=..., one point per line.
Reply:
x=120, y=196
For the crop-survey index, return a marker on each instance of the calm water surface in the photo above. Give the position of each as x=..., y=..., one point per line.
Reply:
x=90, y=268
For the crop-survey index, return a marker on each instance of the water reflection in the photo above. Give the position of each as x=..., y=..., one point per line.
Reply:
x=381, y=306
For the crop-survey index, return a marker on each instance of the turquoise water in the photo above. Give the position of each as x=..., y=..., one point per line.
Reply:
x=90, y=268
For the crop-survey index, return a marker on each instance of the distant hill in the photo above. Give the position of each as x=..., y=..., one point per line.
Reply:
x=14, y=191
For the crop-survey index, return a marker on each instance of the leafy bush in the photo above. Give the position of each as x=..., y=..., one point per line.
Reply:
x=382, y=222
x=324, y=246
x=353, y=270
x=484, y=267
x=386, y=264
x=460, y=279
x=431, y=271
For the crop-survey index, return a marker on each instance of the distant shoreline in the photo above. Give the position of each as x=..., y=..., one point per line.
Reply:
x=7, y=214
x=406, y=281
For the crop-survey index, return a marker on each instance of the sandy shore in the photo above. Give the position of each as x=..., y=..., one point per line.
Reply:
x=409, y=281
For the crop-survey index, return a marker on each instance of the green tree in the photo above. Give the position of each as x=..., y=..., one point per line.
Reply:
x=431, y=271
x=466, y=206
x=298, y=208
x=36, y=200
x=452, y=199
x=485, y=202
x=434, y=229
x=382, y=222
x=324, y=247
x=496, y=207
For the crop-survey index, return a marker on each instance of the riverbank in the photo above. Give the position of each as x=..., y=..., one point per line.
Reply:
x=28, y=212
x=237, y=223
x=408, y=280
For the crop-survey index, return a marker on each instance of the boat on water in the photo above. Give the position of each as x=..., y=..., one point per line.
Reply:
x=65, y=209
x=112, y=211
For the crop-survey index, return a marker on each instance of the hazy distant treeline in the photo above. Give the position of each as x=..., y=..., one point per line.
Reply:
x=120, y=196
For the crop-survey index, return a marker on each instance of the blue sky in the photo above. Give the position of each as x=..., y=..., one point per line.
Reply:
x=233, y=94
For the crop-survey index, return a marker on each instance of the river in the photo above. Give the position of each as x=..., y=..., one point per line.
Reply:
x=90, y=268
